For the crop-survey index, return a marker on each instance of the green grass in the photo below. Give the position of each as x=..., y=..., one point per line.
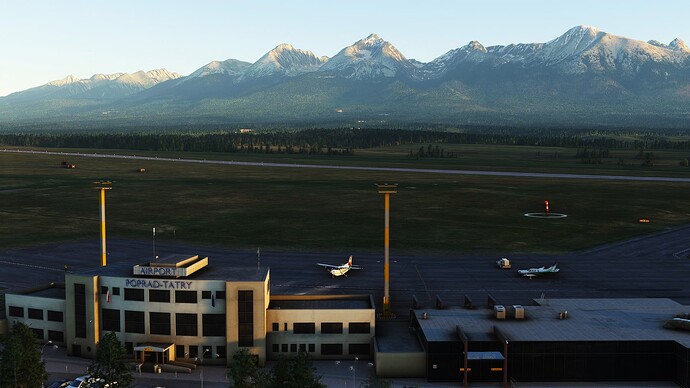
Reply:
x=331, y=210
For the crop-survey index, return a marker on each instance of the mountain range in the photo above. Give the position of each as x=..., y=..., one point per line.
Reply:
x=585, y=77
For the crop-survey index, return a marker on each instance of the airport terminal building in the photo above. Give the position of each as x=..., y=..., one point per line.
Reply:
x=183, y=309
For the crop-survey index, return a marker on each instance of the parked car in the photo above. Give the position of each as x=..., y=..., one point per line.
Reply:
x=59, y=384
x=79, y=382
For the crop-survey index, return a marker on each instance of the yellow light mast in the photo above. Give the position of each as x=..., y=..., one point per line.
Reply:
x=102, y=186
x=386, y=190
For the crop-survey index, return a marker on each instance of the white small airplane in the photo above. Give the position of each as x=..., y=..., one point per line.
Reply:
x=339, y=270
x=532, y=272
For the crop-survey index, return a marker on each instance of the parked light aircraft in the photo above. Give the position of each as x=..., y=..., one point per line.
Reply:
x=339, y=270
x=532, y=272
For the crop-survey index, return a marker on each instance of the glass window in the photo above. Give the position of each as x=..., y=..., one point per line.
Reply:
x=193, y=351
x=276, y=348
x=159, y=323
x=38, y=333
x=332, y=328
x=359, y=349
x=221, y=351
x=111, y=319
x=35, y=313
x=185, y=296
x=293, y=348
x=220, y=294
x=311, y=348
x=276, y=326
x=134, y=322
x=213, y=325
x=134, y=294
x=56, y=336
x=284, y=348
x=186, y=324
x=116, y=290
x=179, y=351
x=331, y=349
x=55, y=316
x=162, y=296
x=245, y=317
x=205, y=294
x=304, y=328
x=104, y=290
x=360, y=328
x=302, y=347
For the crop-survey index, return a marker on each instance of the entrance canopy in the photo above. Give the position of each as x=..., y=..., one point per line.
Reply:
x=153, y=347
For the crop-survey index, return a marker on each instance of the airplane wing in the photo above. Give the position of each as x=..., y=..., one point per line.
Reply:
x=356, y=267
x=328, y=265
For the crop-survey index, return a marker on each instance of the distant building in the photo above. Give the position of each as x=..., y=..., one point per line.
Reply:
x=246, y=130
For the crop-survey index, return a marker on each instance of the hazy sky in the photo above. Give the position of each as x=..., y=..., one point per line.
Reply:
x=45, y=40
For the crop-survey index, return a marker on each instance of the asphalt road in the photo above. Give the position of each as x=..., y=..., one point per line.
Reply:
x=650, y=266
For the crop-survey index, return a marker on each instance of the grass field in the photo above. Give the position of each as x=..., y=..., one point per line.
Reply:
x=331, y=210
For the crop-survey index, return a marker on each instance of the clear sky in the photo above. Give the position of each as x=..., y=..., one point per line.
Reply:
x=46, y=40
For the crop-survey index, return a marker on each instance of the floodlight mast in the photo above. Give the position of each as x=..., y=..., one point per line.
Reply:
x=386, y=189
x=102, y=186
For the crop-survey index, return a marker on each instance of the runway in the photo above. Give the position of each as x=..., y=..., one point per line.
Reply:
x=654, y=266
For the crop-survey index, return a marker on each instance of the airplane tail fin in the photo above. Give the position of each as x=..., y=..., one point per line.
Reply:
x=349, y=262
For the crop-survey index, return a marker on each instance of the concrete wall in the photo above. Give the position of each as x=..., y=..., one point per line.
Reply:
x=45, y=304
x=261, y=296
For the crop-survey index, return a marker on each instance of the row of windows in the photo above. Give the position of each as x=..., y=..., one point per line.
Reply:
x=53, y=316
x=326, y=327
x=53, y=335
x=163, y=296
x=193, y=351
x=186, y=324
x=326, y=349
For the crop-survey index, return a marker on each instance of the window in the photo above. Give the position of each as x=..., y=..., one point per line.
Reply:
x=104, y=290
x=293, y=348
x=331, y=349
x=220, y=294
x=35, y=313
x=284, y=348
x=302, y=347
x=213, y=325
x=245, y=317
x=116, y=290
x=221, y=351
x=185, y=296
x=79, y=310
x=276, y=348
x=55, y=316
x=207, y=352
x=16, y=311
x=162, y=296
x=304, y=328
x=179, y=351
x=276, y=326
x=134, y=322
x=111, y=319
x=332, y=328
x=159, y=323
x=134, y=294
x=205, y=294
x=285, y=326
x=38, y=333
x=359, y=349
x=193, y=351
x=56, y=336
x=311, y=348
x=186, y=324
x=360, y=328
x=129, y=347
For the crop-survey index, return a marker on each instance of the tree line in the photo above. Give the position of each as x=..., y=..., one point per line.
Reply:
x=340, y=141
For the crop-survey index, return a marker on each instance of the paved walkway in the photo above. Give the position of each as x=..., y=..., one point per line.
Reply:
x=340, y=375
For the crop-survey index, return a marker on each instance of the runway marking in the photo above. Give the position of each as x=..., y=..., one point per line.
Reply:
x=428, y=294
x=680, y=252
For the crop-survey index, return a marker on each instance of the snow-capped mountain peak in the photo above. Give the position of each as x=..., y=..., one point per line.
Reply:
x=286, y=60
x=678, y=45
x=371, y=57
x=70, y=79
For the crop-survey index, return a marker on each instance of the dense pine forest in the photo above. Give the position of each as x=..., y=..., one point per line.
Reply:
x=342, y=141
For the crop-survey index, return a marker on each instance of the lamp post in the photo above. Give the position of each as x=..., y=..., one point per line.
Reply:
x=386, y=190
x=201, y=369
x=43, y=347
x=354, y=373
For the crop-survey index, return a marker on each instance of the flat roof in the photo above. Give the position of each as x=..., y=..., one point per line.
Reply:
x=210, y=272
x=49, y=291
x=636, y=319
